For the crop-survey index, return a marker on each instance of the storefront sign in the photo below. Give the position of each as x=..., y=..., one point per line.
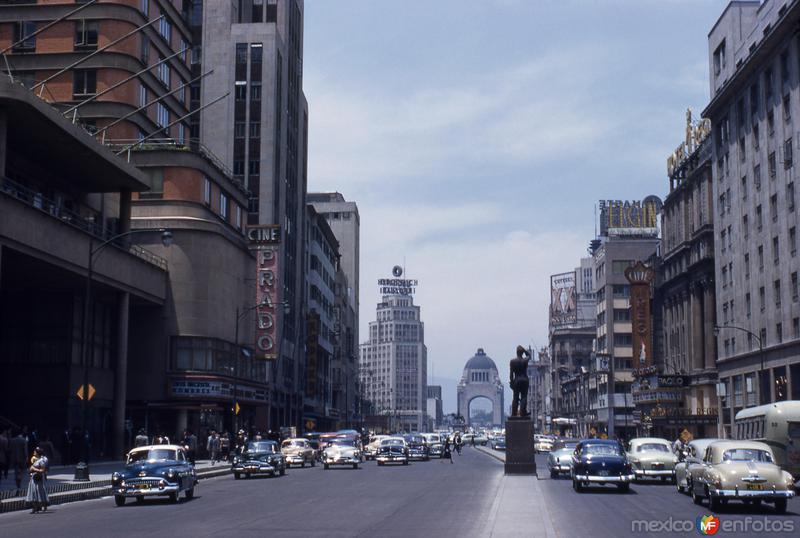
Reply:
x=640, y=276
x=397, y=285
x=212, y=389
x=264, y=239
x=563, y=300
x=695, y=134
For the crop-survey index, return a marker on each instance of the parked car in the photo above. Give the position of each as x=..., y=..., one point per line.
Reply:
x=417, y=447
x=259, y=458
x=651, y=457
x=298, y=451
x=742, y=471
x=392, y=450
x=371, y=450
x=692, y=457
x=498, y=442
x=560, y=458
x=155, y=470
x=600, y=461
x=341, y=451
x=435, y=446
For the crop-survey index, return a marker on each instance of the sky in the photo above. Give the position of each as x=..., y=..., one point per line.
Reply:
x=477, y=136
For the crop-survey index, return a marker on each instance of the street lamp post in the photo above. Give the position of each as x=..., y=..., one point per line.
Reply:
x=761, y=391
x=166, y=240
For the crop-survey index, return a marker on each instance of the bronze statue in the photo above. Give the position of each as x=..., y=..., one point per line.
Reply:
x=519, y=383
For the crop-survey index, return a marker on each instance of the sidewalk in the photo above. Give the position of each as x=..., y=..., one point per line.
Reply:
x=62, y=488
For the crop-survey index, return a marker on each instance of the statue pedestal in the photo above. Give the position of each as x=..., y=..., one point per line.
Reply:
x=519, y=446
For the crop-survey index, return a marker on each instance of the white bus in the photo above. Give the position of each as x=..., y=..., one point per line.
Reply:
x=778, y=425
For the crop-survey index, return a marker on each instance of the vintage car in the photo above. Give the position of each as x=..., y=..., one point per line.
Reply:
x=341, y=451
x=156, y=470
x=560, y=458
x=298, y=451
x=392, y=450
x=651, y=457
x=435, y=446
x=542, y=443
x=600, y=461
x=417, y=447
x=690, y=458
x=742, y=471
x=259, y=457
x=498, y=442
x=371, y=450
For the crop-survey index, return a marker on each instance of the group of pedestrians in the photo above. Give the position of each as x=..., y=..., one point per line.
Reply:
x=457, y=444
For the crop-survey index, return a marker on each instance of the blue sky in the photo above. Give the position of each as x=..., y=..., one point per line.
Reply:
x=477, y=136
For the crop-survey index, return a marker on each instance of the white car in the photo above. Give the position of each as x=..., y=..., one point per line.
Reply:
x=372, y=447
x=542, y=443
x=341, y=451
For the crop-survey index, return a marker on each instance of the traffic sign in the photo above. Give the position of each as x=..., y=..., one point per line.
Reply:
x=88, y=394
x=238, y=408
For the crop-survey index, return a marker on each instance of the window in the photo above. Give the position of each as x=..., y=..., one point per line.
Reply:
x=255, y=129
x=759, y=218
x=755, y=136
x=86, y=34
x=722, y=242
x=144, y=6
x=779, y=332
x=181, y=134
x=238, y=216
x=719, y=58
x=760, y=257
x=771, y=167
x=794, y=287
x=745, y=229
x=144, y=48
x=747, y=304
x=238, y=167
x=768, y=84
x=770, y=123
x=724, y=277
x=787, y=153
x=761, y=298
x=241, y=91
x=754, y=99
x=22, y=31
x=142, y=95
x=795, y=328
x=206, y=191
x=787, y=108
x=254, y=167
x=790, y=196
x=622, y=314
x=793, y=241
x=223, y=205
x=162, y=115
x=776, y=253
x=256, y=53
x=784, y=65
x=747, y=266
x=165, y=29
x=238, y=129
x=742, y=149
x=776, y=287
x=241, y=53
x=163, y=73
x=744, y=187
x=621, y=290
x=255, y=91
x=84, y=82
x=773, y=207
x=757, y=176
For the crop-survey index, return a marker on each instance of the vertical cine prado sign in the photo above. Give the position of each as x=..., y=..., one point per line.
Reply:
x=265, y=241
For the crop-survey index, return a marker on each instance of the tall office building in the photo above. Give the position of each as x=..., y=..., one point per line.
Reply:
x=755, y=105
x=393, y=362
x=260, y=132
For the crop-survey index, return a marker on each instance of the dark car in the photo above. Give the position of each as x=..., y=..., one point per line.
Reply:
x=157, y=470
x=417, y=447
x=259, y=457
x=392, y=450
x=498, y=443
x=600, y=461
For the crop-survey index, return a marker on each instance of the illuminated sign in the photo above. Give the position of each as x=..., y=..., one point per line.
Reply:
x=397, y=285
x=640, y=276
x=265, y=240
x=629, y=218
x=563, y=300
x=696, y=132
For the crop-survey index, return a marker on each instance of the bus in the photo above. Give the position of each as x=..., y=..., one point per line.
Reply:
x=776, y=424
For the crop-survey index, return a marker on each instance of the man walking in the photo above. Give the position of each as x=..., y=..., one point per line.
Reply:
x=18, y=449
x=212, y=446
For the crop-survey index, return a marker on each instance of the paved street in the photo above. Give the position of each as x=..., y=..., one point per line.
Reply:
x=469, y=498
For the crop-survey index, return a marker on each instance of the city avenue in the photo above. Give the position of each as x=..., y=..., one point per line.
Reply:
x=471, y=497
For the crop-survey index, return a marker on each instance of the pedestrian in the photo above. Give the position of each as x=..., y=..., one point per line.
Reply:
x=18, y=448
x=458, y=444
x=189, y=443
x=37, y=485
x=3, y=454
x=225, y=446
x=141, y=439
x=472, y=440
x=212, y=446
x=446, y=454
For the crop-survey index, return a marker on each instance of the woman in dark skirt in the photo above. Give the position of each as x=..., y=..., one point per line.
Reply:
x=37, y=491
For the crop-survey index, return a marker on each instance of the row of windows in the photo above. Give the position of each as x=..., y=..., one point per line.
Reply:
x=224, y=206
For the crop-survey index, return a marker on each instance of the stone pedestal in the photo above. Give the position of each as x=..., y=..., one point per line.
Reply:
x=519, y=446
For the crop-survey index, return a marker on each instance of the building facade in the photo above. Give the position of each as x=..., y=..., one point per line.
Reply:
x=754, y=54
x=481, y=379
x=393, y=364
x=435, y=413
x=255, y=49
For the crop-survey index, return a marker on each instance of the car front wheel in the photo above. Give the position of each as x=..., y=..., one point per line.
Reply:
x=119, y=500
x=237, y=476
x=189, y=493
x=576, y=485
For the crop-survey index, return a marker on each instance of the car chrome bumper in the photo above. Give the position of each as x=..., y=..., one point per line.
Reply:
x=341, y=461
x=254, y=470
x=391, y=458
x=295, y=459
x=127, y=491
x=653, y=472
x=751, y=493
x=561, y=468
x=595, y=478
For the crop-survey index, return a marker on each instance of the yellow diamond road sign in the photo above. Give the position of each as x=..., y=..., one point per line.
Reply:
x=81, y=392
x=237, y=408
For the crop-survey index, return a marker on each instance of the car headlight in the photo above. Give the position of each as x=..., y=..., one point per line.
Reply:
x=171, y=474
x=115, y=477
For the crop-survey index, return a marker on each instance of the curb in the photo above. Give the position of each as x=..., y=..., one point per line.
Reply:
x=83, y=492
x=491, y=454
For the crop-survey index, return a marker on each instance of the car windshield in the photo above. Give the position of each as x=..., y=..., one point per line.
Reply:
x=343, y=442
x=601, y=450
x=156, y=454
x=392, y=442
x=652, y=447
x=569, y=445
x=262, y=446
x=747, y=454
x=416, y=439
x=297, y=443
